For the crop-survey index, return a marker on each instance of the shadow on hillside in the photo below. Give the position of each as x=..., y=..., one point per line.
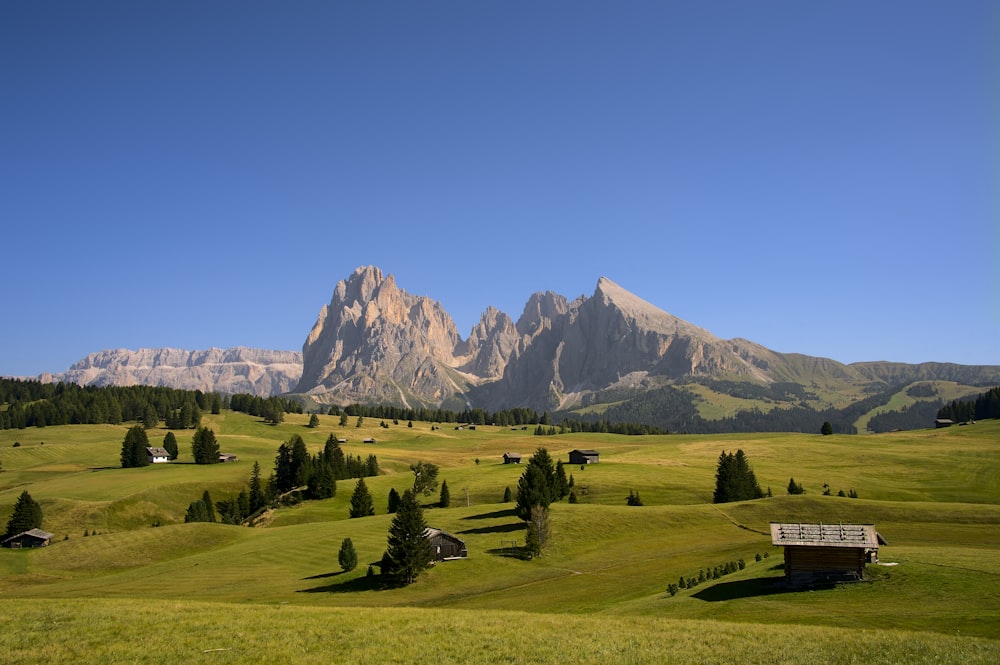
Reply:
x=758, y=586
x=494, y=515
x=373, y=583
x=499, y=528
x=323, y=575
x=515, y=552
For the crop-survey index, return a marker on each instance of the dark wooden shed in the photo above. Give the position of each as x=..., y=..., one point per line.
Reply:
x=584, y=457
x=29, y=538
x=446, y=546
x=825, y=553
x=512, y=458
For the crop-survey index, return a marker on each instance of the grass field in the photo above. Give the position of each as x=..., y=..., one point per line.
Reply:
x=597, y=595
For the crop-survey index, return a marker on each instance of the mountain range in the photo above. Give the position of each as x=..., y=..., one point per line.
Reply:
x=374, y=343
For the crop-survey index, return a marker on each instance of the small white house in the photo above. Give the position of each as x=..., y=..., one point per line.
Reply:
x=157, y=455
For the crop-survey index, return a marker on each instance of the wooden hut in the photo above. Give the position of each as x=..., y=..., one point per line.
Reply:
x=825, y=553
x=446, y=546
x=512, y=458
x=584, y=457
x=29, y=538
x=157, y=455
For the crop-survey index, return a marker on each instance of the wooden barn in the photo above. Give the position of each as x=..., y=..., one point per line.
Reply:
x=227, y=457
x=512, y=458
x=825, y=553
x=446, y=546
x=584, y=457
x=29, y=538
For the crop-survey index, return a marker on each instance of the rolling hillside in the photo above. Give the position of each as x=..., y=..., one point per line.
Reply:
x=933, y=494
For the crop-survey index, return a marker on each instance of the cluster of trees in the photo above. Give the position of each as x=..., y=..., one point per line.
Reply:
x=134, y=446
x=986, y=405
x=735, y=479
x=35, y=404
x=250, y=500
x=915, y=416
x=542, y=483
x=294, y=467
x=706, y=574
x=27, y=515
x=271, y=409
x=508, y=417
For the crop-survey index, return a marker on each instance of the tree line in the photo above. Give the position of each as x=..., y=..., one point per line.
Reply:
x=31, y=403
x=986, y=405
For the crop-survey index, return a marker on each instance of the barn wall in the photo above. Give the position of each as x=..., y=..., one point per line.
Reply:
x=809, y=564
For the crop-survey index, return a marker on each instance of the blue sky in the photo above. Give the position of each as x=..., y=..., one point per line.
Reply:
x=818, y=177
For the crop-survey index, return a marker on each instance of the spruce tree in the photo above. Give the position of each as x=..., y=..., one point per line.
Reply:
x=257, y=497
x=393, y=505
x=170, y=445
x=409, y=551
x=445, y=499
x=209, y=507
x=361, y=501
x=27, y=515
x=348, y=556
x=537, y=486
x=204, y=447
x=134, y=448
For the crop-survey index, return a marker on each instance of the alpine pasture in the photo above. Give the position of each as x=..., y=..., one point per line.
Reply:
x=130, y=591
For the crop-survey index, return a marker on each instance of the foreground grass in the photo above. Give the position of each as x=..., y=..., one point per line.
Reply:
x=120, y=631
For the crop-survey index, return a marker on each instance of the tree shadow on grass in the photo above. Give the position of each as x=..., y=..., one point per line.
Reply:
x=509, y=512
x=500, y=528
x=520, y=553
x=365, y=583
x=757, y=586
x=323, y=575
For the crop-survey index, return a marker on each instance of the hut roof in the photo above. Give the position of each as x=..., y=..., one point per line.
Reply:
x=157, y=452
x=587, y=452
x=824, y=535
x=36, y=533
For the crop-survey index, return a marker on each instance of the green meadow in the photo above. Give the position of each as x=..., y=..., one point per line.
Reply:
x=180, y=592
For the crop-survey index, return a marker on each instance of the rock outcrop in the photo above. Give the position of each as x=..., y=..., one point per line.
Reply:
x=236, y=370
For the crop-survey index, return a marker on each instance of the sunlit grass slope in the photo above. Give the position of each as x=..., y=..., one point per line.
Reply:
x=933, y=494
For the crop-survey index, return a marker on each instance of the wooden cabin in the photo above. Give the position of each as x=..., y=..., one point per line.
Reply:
x=825, y=553
x=446, y=546
x=512, y=458
x=157, y=455
x=227, y=457
x=584, y=457
x=29, y=538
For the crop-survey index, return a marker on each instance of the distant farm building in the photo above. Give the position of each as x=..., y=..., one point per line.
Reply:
x=30, y=538
x=369, y=440
x=228, y=457
x=446, y=546
x=943, y=422
x=512, y=458
x=826, y=553
x=342, y=440
x=583, y=457
x=157, y=455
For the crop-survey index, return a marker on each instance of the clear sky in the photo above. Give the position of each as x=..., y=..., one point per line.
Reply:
x=818, y=177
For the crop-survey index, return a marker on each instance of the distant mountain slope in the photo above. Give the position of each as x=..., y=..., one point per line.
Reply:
x=609, y=355
x=235, y=370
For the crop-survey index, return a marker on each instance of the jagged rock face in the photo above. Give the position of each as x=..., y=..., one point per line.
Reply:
x=593, y=343
x=376, y=343
x=236, y=370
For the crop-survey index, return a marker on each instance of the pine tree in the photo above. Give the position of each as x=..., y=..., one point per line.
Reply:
x=27, y=515
x=257, y=497
x=361, y=501
x=734, y=479
x=826, y=429
x=537, y=486
x=348, y=556
x=445, y=499
x=393, y=505
x=134, y=448
x=795, y=488
x=313, y=421
x=409, y=551
x=204, y=447
x=507, y=495
x=170, y=445
x=209, y=506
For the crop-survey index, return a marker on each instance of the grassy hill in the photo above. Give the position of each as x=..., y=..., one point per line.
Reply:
x=597, y=594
